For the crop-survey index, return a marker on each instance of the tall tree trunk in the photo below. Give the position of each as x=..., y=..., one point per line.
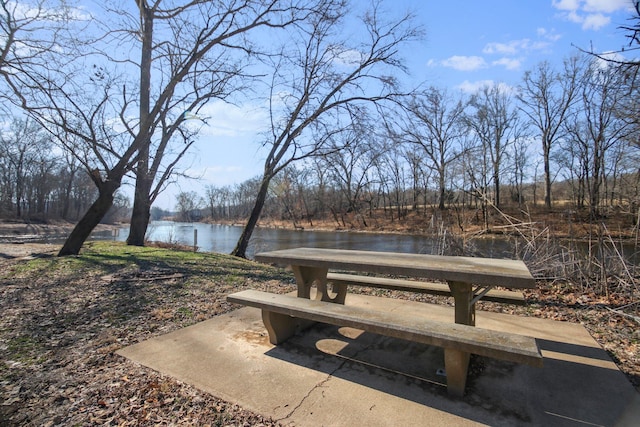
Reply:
x=141, y=212
x=547, y=175
x=442, y=192
x=67, y=195
x=91, y=219
x=595, y=187
x=496, y=179
x=243, y=242
x=141, y=202
x=19, y=192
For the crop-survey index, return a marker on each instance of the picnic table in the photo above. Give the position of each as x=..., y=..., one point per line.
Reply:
x=469, y=279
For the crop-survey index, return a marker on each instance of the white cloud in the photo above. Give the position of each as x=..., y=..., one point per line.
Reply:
x=541, y=45
x=573, y=16
x=346, y=57
x=464, y=63
x=522, y=46
x=606, y=6
x=230, y=120
x=566, y=4
x=590, y=14
x=508, y=63
x=473, y=87
x=549, y=35
x=512, y=53
x=475, y=63
x=612, y=56
x=23, y=11
x=604, y=60
x=595, y=21
x=510, y=48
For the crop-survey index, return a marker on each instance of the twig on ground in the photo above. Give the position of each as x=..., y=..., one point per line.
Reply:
x=621, y=313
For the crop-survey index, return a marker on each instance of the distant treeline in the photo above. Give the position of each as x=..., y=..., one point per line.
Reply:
x=297, y=197
x=38, y=182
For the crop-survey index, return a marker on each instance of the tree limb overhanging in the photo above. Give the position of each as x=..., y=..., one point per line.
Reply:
x=120, y=83
x=317, y=85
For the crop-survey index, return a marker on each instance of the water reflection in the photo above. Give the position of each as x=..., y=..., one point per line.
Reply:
x=223, y=238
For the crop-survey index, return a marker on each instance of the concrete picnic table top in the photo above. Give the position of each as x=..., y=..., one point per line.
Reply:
x=481, y=271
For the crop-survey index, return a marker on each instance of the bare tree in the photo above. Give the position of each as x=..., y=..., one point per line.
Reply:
x=286, y=192
x=546, y=98
x=436, y=125
x=213, y=200
x=71, y=169
x=393, y=178
x=419, y=182
x=319, y=83
x=188, y=204
x=321, y=187
x=495, y=122
x=192, y=52
x=22, y=147
x=476, y=166
x=45, y=56
x=351, y=168
x=595, y=127
x=521, y=156
x=74, y=76
x=629, y=68
x=28, y=29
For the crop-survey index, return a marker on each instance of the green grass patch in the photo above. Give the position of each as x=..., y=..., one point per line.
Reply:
x=22, y=349
x=185, y=312
x=104, y=258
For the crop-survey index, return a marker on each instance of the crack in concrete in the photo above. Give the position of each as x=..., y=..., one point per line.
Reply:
x=324, y=381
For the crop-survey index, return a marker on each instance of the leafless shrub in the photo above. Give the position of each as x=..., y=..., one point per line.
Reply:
x=599, y=265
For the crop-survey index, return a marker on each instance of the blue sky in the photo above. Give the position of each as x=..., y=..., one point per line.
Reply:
x=467, y=44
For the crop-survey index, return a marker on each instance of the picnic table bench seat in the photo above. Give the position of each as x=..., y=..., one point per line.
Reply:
x=284, y=315
x=420, y=286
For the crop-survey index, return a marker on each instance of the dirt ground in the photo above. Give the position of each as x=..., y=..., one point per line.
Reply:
x=62, y=324
x=23, y=250
x=18, y=239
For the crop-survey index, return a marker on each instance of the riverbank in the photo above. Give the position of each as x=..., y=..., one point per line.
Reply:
x=64, y=319
x=21, y=232
x=512, y=221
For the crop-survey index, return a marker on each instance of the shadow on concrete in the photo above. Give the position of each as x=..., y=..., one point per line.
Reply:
x=578, y=385
x=340, y=376
x=595, y=353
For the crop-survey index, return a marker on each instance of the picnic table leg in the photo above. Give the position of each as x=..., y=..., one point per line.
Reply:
x=465, y=310
x=306, y=277
x=456, y=362
x=281, y=326
x=456, y=365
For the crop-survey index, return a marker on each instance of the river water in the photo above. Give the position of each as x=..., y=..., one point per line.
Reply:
x=223, y=238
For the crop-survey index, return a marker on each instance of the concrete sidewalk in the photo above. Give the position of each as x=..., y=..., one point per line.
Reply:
x=333, y=376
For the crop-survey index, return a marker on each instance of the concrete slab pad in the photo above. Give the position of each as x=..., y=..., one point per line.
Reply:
x=332, y=376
